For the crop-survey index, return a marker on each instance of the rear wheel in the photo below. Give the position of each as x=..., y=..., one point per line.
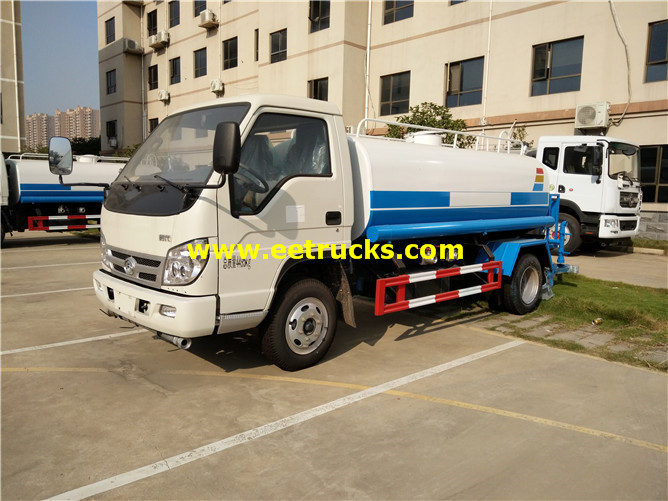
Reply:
x=522, y=294
x=301, y=327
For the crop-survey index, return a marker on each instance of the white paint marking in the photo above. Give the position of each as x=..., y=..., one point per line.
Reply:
x=69, y=343
x=45, y=292
x=267, y=429
x=49, y=266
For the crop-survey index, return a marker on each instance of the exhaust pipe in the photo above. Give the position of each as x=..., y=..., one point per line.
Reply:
x=181, y=342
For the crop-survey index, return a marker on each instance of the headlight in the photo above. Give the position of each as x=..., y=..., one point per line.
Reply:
x=105, y=253
x=611, y=223
x=184, y=264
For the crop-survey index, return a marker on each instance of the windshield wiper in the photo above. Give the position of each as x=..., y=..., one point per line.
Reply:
x=134, y=185
x=179, y=187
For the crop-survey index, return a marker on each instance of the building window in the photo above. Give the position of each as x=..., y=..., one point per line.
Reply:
x=152, y=124
x=394, y=93
x=256, y=46
x=318, y=15
x=456, y=2
x=174, y=13
x=654, y=173
x=111, y=129
x=200, y=62
x=398, y=10
x=318, y=89
x=110, y=29
x=152, y=22
x=200, y=6
x=279, y=46
x=657, y=52
x=175, y=70
x=465, y=82
x=230, y=53
x=111, y=81
x=153, y=77
x=557, y=67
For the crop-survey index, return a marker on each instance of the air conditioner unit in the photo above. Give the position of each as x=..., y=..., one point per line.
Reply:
x=163, y=95
x=113, y=142
x=207, y=19
x=217, y=86
x=131, y=46
x=159, y=40
x=592, y=116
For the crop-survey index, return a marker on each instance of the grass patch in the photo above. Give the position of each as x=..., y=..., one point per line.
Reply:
x=628, y=311
x=647, y=243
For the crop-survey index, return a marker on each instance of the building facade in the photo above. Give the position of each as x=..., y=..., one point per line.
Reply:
x=40, y=128
x=12, y=133
x=81, y=121
x=554, y=67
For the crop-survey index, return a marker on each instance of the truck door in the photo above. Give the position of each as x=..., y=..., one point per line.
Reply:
x=288, y=192
x=579, y=176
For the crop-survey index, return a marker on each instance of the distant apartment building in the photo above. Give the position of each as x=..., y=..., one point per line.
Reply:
x=82, y=121
x=555, y=67
x=12, y=134
x=39, y=128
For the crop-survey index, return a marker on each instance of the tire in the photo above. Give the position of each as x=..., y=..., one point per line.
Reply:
x=301, y=326
x=573, y=237
x=523, y=293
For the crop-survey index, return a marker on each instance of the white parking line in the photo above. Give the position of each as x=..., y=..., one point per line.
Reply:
x=45, y=292
x=48, y=265
x=68, y=343
x=267, y=429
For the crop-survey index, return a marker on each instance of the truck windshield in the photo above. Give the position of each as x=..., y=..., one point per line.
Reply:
x=623, y=160
x=179, y=150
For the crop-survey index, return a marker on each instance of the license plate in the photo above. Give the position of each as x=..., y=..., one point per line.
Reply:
x=125, y=304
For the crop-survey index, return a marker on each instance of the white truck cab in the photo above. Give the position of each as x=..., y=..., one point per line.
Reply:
x=597, y=179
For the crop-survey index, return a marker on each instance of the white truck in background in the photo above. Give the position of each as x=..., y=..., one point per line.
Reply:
x=597, y=178
x=33, y=200
x=260, y=213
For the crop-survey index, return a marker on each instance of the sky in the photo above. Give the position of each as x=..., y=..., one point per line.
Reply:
x=60, y=67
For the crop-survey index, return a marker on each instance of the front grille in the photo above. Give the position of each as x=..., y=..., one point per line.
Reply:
x=147, y=269
x=627, y=225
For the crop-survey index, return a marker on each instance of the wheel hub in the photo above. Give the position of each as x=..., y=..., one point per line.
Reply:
x=306, y=326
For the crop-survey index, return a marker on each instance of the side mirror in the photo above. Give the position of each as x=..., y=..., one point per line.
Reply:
x=598, y=161
x=60, y=156
x=226, y=148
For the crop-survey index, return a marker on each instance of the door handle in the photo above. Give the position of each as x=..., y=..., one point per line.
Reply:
x=333, y=218
x=562, y=188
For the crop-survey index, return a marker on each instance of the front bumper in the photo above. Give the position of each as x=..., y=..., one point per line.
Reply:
x=611, y=226
x=187, y=316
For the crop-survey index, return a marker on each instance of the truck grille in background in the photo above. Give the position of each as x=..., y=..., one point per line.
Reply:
x=148, y=269
x=627, y=225
x=628, y=199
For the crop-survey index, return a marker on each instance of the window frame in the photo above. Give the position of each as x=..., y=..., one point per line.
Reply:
x=152, y=22
x=110, y=30
x=659, y=185
x=231, y=45
x=652, y=65
x=547, y=68
x=198, y=69
x=393, y=13
x=315, y=88
x=175, y=76
x=111, y=81
x=153, y=77
x=174, y=13
x=459, y=93
x=111, y=125
x=391, y=102
x=282, y=53
x=199, y=6
x=318, y=22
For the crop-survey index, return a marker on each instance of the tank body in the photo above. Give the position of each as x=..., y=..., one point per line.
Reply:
x=406, y=190
x=34, y=183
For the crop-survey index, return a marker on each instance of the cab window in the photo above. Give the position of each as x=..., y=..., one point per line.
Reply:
x=278, y=148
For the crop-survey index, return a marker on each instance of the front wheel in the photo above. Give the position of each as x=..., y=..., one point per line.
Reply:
x=301, y=326
x=522, y=294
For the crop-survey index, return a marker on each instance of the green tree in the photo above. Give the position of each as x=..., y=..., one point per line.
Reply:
x=428, y=115
x=86, y=146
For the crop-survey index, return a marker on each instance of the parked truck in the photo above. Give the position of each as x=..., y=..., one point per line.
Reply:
x=33, y=200
x=598, y=180
x=260, y=212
